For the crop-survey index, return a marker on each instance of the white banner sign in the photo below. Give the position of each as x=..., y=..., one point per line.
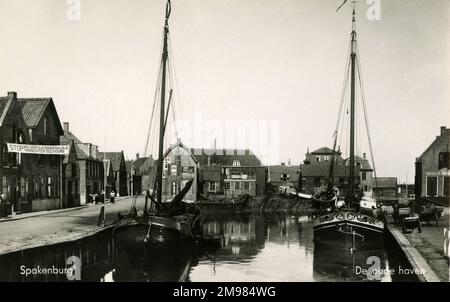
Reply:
x=39, y=149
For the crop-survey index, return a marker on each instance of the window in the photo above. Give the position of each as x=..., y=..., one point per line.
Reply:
x=4, y=159
x=431, y=186
x=366, y=189
x=173, y=188
x=318, y=159
x=30, y=134
x=45, y=125
x=327, y=158
x=227, y=185
x=236, y=163
x=5, y=186
x=212, y=186
x=23, y=187
x=237, y=185
x=49, y=187
x=173, y=169
x=246, y=186
x=444, y=160
x=363, y=175
x=446, y=191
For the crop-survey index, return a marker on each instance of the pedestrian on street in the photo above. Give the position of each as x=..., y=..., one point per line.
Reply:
x=111, y=196
x=102, y=196
x=3, y=210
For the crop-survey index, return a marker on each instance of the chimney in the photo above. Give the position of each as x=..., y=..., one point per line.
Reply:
x=443, y=128
x=289, y=162
x=364, y=155
x=66, y=126
x=283, y=164
x=137, y=155
x=12, y=94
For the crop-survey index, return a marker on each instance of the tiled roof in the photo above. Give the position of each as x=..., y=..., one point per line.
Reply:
x=324, y=150
x=385, y=182
x=32, y=110
x=146, y=165
x=225, y=157
x=138, y=162
x=68, y=137
x=364, y=162
x=128, y=164
x=114, y=157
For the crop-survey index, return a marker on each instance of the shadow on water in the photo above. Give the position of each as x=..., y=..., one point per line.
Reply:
x=255, y=248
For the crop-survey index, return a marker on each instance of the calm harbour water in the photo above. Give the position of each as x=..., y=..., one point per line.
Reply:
x=256, y=248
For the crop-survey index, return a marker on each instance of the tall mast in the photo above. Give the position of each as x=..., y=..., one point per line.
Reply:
x=162, y=109
x=352, y=109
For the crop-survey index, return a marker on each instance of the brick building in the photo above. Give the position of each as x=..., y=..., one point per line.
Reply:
x=13, y=185
x=385, y=188
x=432, y=179
x=316, y=168
x=179, y=167
x=229, y=173
x=32, y=182
x=283, y=175
x=83, y=170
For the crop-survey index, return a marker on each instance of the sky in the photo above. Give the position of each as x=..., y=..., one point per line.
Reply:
x=276, y=66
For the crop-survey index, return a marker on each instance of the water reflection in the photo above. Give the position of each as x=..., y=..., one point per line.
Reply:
x=256, y=248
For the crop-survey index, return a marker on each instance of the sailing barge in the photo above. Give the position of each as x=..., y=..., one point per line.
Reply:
x=171, y=224
x=340, y=221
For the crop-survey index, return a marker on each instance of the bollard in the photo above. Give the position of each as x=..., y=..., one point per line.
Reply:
x=101, y=217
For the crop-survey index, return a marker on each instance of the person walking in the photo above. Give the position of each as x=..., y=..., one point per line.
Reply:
x=3, y=211
x=111, y=196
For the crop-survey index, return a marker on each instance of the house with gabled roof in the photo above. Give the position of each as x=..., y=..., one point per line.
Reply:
x=315, y=170
x=229, y=173
x=12, y=130
x=84, y=178
x=432, y=179
x=31, y=182
x=118, y=169
x=179, y=167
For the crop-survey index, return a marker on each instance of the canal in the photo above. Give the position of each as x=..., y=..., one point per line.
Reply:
x=255, y=248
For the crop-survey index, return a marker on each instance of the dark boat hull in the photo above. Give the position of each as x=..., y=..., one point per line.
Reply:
x=159, y=234
x=349, y=230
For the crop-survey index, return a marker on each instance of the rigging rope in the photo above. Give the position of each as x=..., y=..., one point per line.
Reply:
x=366, y=118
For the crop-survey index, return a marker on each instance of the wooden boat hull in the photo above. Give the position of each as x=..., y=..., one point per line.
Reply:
x=350, y=230
x=159, y=234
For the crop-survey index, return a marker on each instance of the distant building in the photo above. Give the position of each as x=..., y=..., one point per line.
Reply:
x=366, y=176
x=119, y=171
x=315, y=170
x=179, y=167
x=229, y=173
x=385, y=187
x=405, y=191
x=432, y=179
x=283, y=175
x=83, y=170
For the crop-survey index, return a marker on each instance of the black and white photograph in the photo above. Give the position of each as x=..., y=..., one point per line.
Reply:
x=220, y=141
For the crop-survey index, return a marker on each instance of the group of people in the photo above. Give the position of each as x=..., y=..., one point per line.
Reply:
x=100, y=198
